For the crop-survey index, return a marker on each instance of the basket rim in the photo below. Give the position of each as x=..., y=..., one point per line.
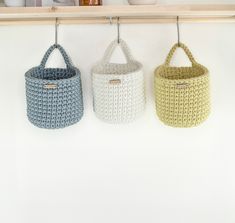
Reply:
x=134, y=62
x=157, y=75
x=29, y=76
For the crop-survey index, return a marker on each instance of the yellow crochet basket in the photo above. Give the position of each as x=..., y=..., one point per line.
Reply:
x=182, y=94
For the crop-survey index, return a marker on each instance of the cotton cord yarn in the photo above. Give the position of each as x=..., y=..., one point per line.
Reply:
x=118, y=89
x=182, y=94
x=54, y=95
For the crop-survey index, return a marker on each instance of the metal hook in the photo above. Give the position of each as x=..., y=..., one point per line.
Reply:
x=56, y=31
x=178, y=31
x=111, y=20
x=118, y=30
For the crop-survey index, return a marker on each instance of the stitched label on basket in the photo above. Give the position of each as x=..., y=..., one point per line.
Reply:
x=50, y=86
x=115, y=81
x=182, y=85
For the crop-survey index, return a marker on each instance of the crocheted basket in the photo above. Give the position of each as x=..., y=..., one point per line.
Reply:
x=54, y=95
x=118, y=89
x=182, y=93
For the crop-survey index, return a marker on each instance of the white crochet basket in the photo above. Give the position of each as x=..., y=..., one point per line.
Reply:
x=118, y=89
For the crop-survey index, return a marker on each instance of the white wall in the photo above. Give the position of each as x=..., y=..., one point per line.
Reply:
x=99, y=173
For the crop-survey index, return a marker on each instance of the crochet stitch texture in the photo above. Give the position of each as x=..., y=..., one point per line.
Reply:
x=54, y=95
x=182, y=94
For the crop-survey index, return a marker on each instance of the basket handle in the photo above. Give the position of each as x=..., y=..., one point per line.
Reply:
x=50, y=50
x=186, y=50
x=109, y=51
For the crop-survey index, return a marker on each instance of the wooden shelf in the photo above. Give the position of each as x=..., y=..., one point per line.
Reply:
x=127, y=14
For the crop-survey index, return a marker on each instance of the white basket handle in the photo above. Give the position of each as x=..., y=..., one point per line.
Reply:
x=109, y=51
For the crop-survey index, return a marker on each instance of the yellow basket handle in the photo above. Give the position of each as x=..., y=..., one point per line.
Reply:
x=186, y=50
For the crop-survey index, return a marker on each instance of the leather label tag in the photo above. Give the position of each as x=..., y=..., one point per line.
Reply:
x=50, y=86
x=182, y=85
x=115, y=81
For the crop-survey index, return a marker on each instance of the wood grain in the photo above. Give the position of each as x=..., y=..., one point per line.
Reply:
x=128, y=14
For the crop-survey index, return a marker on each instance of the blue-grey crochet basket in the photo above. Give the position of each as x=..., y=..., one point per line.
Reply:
x=54, y=95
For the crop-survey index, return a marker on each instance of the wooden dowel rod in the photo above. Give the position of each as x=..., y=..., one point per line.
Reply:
x=122, y=20
x=128, y=14
x=212, y=10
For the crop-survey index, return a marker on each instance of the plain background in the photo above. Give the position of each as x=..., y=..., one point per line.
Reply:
x=94, y=172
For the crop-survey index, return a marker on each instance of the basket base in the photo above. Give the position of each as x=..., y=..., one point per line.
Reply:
x=55, y=126
x=188, y=125
x=119, y=122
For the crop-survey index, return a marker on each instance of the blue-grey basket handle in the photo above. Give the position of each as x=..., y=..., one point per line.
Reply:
x=62, y=51
x=109, y=51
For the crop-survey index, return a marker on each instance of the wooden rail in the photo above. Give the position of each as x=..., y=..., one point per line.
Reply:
x=127, y=14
